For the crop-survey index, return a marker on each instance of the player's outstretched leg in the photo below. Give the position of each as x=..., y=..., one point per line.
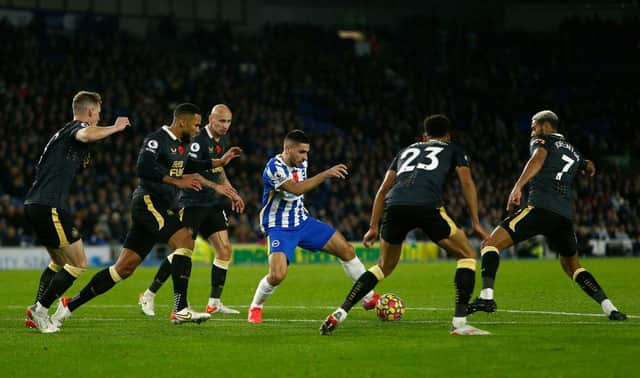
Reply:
x=354, y=269
x=363, y=285
x=590, y=286
x=100, y=283
x=490, y=263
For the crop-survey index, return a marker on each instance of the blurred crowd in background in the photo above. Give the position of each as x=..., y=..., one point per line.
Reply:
x=360, y=102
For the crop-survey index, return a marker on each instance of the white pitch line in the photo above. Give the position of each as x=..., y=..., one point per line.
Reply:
x=529, y=312
x=318, y=321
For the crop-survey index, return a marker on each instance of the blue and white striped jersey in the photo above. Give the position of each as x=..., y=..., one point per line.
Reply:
x=281, y=209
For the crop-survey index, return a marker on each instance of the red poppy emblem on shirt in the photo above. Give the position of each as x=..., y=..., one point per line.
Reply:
x=295, y=177
x=218, y=149
x=181, y=150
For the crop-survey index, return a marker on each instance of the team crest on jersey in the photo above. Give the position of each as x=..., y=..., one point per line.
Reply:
x=152, y=146
x=275, y=243
x=218, y=149
x=295, y=177
x=195, y=147
x=180, y=150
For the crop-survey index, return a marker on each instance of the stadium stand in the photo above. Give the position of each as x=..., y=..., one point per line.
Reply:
x=358, y=106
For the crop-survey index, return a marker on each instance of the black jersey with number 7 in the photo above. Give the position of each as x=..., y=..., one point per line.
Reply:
x=421, y=171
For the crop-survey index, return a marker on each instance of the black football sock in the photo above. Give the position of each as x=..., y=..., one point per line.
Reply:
x=364, y=284
x=465, y=279
x=161, y=276
x=59, y=284
x=99, y=284
x=218, y=278
x=490, y=263
x=590, y=286
x=45, y=280
x=180, y=272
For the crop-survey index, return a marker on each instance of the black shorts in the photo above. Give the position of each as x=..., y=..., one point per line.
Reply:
x=397, y=221
x=152, y=222
x=531, y=221
x=53, y=227
x=204, y=220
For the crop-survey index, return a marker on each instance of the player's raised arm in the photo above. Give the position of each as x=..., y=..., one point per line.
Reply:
x=471, y=198
x=195, y=165
x=371, y=235
x=298, y=188
x=533, y=166
x=91, y=134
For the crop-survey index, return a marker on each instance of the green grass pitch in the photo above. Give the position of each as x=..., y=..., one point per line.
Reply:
x=545, y=327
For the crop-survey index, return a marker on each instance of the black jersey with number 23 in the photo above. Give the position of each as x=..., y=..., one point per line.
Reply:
x=421, y=171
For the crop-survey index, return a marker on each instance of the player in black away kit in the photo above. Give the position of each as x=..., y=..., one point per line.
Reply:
x=47, y=207
x=409, y=197
x=163, y=166
x=205, y=213
x=550, y=173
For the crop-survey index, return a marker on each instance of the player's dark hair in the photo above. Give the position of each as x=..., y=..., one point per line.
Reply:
x=84, y=98
x=185, y=109
x=436, y=125
x=295, y=137
x=546, y=116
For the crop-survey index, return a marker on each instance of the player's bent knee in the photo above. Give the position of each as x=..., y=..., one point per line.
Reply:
x=118, y=275
x=224, y=253
x=275, y=278
x=75, y=271
x=120, y=271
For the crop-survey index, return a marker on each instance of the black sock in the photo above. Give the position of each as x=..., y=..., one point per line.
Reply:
x=99, y=284
x=45, y=280
x=180, y=272
x=490, y=263
x=590, y=286
x=161, y=276
x=364, y=284
x=59, y=284
x=465, y=279
x=218, y=278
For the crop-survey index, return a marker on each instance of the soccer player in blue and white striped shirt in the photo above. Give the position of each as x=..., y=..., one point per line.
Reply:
x=287, y=223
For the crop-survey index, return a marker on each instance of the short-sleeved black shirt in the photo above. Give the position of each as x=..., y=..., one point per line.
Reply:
x=552, y=187
x=421, y=171
x=162, y=154
x=205, y=147
x=59, y=163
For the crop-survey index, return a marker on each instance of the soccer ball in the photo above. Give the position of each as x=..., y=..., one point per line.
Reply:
x=390, y=307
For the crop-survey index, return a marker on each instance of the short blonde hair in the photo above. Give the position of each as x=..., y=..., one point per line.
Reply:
x=84, y=98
